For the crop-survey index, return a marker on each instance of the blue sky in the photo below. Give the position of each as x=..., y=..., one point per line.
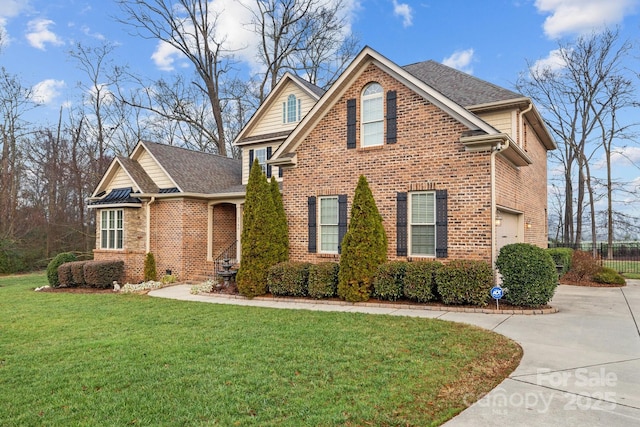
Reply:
x=491, y=39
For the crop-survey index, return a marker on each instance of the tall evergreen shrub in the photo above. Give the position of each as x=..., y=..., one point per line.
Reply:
x=258, y=229
x=364, y=246
x=281, y=235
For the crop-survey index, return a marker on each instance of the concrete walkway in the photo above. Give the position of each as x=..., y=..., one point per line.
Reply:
x=581, y=366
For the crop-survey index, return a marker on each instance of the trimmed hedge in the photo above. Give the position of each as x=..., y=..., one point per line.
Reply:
x=65, y=276
x=465, y=282
x=608, y=276
x=289, y=278
x=420, y=280
x=561, y=256
x=52, y=268
x=323, y=280
x=388, y=283
x=72, y=274
x=102, y=274
x=528, y=273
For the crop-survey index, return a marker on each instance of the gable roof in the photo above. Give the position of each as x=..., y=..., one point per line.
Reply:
x=365, y=57
x=195, y=171
x=460, y=87
x=142, y=180
x=310, y=89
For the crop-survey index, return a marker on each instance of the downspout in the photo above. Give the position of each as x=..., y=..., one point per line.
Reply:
x=502, y=145
x=521, y=133
x=148, y=242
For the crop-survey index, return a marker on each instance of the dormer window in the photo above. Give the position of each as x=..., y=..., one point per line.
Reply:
x=372, y=132
x=291, y=110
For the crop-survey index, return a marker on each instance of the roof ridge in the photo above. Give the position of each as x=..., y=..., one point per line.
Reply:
x=188, y=150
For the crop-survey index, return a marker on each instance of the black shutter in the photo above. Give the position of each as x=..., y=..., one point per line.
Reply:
x=279, y=171
x=268, y=165
x=351, y=123
x=441, y=224
x=342, y=219
x=391, y=117
x=250, y=159
x=401, y=224
x=313, y=228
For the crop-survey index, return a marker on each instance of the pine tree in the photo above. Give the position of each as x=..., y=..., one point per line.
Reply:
x=281, y=236
x=257, y=248
x=150, y=273
x=364, y=246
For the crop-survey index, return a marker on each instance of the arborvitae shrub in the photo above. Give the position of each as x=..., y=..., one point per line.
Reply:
x=289, y=278
x=102, y=274
x=389, y=280
x=57, y=261
x=150, y=273
x=65, y=276
x=323, y=280
x=528, y=273
x=281, y=229
x=583, y=267
x=364, y=246
x=465, y=282
x=608, y=276
x=258, y=248
x=420, y=280
x=561, y=256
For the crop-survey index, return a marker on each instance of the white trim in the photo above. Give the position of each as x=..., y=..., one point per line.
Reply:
x=141, y=144
x=319, y=223
x=410, y=224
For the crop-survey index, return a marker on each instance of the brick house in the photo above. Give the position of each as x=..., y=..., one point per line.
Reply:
x=457, y=166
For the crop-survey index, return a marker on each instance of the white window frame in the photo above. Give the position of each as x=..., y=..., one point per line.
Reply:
x=328, y=227
x=414, y=223
x=372, y=93
x=260, y=154
x=112, y=229
x=291, y=109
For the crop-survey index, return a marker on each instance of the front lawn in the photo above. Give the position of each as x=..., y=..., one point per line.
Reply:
x=102, y=359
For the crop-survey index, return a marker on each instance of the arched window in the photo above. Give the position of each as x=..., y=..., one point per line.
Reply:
x=372, y=133
x=291, y=109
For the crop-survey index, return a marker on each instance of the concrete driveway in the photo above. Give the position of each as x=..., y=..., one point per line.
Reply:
x=581, y=366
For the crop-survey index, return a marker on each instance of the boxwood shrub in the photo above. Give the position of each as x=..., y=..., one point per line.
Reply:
x=102, y=274
x=65, y=276
x=465, y=282
x=289, y=278
x=323, y=280
x=420, y=280
x=388, y=283
x=561, y=256
x=57, y=261
x=608, y=276
x=528, y=273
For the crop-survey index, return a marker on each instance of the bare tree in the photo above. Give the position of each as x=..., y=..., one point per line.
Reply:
x=582, y=101
x=190, y=27
x=304, y=36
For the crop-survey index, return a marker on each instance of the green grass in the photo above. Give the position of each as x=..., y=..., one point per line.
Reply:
x=103, y=359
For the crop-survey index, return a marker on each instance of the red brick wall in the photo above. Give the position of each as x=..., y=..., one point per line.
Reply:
x=427, y=155
x=224, y=230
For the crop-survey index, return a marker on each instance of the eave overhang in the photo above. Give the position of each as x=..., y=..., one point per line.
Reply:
x=502, y=143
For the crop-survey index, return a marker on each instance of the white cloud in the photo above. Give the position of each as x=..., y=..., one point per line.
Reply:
x=47, y=91
x=38, y=33
x=87, y=32
x=460, y=60
x=625, y=156
x=582, y=16
x=553, y=62
x=9, y=9
x=404, y=11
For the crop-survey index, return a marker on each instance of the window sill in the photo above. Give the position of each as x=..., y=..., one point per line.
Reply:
x=328, y=256
x=371, y=148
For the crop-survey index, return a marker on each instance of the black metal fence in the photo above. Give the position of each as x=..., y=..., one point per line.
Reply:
x=624, y=257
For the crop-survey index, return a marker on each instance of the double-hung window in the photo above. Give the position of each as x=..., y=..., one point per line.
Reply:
x=372, y=116
x=329, y=231
x=422, y=223
x=112, y=229
x=261, y=155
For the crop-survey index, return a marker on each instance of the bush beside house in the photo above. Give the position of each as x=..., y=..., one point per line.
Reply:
x=528, y=273
x=323, y=280
x=465, y=282
x=150, y=273
x=420, y=280
x=364, y=246
x=289, y=278
x=52, y=268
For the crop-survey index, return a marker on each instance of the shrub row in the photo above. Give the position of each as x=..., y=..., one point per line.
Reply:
x=94, y=274
x=561, y=256
x=585, y=268
x=458, y=282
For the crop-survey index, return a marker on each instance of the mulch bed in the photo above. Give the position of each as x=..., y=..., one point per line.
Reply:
x=79, y=290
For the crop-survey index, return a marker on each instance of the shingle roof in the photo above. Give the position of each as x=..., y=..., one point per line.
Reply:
x=462, y=88
x=195, y=171
x=138, y=174
x=313, y=88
